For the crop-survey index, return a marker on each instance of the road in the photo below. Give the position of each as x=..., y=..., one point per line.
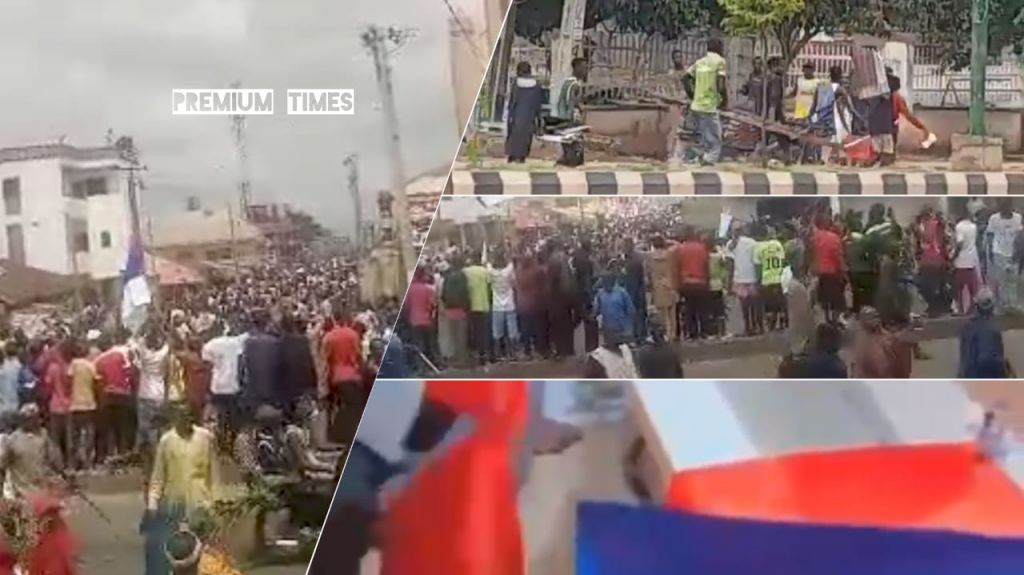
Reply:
x=760, y=357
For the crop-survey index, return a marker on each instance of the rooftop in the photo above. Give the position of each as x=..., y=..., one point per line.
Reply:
x=20, y=284
x=65, y=151
x=202, y=227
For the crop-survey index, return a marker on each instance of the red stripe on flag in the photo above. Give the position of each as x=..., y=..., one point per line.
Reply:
x=460, y=514
x=945, y=486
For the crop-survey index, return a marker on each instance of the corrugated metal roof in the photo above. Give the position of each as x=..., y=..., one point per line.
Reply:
x=201, y=227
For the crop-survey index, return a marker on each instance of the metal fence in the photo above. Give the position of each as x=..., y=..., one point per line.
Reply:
x=631, y=66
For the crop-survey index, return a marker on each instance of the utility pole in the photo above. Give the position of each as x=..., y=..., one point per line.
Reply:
x=234, y=242
x=500, y=88
x=382, y=43
x=238, y=124
x=351, y=161
x=979, y=63
x=562, y=51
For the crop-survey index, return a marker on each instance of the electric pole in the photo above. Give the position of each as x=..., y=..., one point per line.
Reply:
x=351, y=161
x=562, y=51
x=238, y=122
x=979, y=63
x=382, y=43
x=504, y=57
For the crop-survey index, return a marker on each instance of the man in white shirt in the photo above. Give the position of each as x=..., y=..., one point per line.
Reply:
x=1004, y=274
x=505, y=327
x=223, y=354
x=967, y=277
x=744, y=276
x=151, y=358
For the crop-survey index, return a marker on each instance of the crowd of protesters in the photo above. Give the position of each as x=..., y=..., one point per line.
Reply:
x=283, y=351
x=627, y=279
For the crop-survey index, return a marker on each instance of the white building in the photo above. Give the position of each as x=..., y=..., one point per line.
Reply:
x=65, y=209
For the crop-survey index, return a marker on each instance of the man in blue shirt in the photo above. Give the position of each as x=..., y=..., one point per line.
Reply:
x=614, y=307
x=10, y=384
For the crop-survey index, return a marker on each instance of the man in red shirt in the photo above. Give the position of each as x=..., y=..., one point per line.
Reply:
x=117, y=412
x=693, y=262
x=420, y=305
x=932, y=263
x=342, y=350
x=830, y=267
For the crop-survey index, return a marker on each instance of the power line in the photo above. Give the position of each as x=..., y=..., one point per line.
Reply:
x=467, y=34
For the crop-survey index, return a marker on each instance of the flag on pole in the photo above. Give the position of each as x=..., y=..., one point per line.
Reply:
x=135, y=295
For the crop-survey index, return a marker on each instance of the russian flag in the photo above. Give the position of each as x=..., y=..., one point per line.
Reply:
x=813, y=478
x=135, y=295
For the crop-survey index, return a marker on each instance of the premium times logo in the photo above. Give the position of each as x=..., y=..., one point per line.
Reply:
x=260, y=102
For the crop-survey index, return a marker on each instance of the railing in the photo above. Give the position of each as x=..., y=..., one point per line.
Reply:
x=629, y=66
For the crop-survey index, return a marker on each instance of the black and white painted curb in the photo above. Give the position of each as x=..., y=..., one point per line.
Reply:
x=625, y=183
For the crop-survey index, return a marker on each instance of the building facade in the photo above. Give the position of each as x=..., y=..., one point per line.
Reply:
x=65, y=209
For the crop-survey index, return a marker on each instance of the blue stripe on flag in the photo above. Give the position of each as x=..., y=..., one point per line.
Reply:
x=616, y=539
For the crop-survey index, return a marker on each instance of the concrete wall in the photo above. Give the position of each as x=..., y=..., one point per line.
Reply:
x=640, y=130
x=1005, y=124
x=43, y=208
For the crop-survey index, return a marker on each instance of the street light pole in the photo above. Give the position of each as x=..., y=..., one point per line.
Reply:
x=382, y=42
x=979, y=62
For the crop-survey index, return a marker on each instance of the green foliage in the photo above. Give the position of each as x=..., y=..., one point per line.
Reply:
x=668, y=18
x=535, y=17
x=756, y=17
x=947, y=24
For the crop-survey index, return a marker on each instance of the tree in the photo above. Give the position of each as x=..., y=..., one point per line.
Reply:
x=946, y=24
x=759, y=18
x=669, y=18
x=794, y=31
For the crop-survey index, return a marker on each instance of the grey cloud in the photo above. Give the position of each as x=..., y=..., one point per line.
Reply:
x=78, y=67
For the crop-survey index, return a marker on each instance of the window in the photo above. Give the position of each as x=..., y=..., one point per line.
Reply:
x=12, y=196
x=15, y=244
x=96, y=187
x=89, y=187
x=105, y=239
x=81, y=243
x=78, y=190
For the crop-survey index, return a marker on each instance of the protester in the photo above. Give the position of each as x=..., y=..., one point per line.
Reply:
x=773, y=273
x=524, y=114
x=705, y=83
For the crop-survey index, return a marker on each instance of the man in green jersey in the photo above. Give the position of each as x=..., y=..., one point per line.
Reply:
x=770, y=257
x=478, y=282
x=705, y=84
x=863, y=270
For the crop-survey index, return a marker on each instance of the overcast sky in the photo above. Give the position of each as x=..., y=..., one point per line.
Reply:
x=75, y=68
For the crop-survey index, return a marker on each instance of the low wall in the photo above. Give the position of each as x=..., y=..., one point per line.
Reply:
x=641, y=129
x=944, y=122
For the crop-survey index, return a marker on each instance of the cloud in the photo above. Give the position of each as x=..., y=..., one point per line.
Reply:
x=79, y=67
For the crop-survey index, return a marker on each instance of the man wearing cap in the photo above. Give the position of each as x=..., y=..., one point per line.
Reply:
x=982, y=355
x=29, y=458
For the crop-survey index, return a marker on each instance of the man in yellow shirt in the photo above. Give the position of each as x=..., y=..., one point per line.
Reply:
x=181, y=487
x=83, y=409
x=770, y=258
x=804, y=92
x=478, y=280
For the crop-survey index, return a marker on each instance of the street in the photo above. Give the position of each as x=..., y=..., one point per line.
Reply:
x=117, y=549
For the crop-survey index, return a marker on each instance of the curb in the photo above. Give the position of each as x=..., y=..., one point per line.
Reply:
x=627, y=183
x=695, y=352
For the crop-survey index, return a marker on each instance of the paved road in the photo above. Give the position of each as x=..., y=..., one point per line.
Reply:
x=754, y=358
x=118, y=549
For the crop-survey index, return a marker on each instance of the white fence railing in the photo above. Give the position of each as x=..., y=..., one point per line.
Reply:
x=630, y=65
